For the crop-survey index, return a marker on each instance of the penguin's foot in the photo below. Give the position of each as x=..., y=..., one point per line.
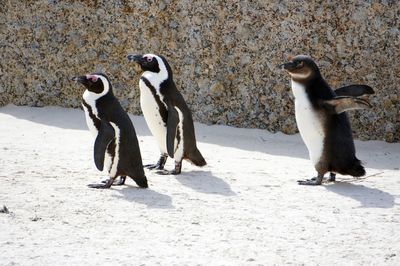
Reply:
x=102, y=185
x=332, y=177
x=120, y=181
x=159, y=165
x=154, y=166
x=166, y=172
x=176, y=171
x=315, y=181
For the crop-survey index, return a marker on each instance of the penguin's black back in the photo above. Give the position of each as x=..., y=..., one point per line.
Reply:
x=171, y=93
x=339, y=151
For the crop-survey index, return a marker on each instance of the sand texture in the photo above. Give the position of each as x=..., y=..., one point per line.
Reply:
x=243, y=208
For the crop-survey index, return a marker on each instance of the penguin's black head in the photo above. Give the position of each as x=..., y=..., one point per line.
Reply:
x=301, y=67
x=147, y=62
x=97, y=83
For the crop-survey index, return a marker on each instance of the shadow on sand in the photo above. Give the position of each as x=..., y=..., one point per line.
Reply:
x=205, y=182
x=66, y=118
x=152, y=199
x=49, y=115
x=367, y=197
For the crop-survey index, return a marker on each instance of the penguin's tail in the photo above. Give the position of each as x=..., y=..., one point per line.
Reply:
x=138, y=175
x=356, y=169
x=196, y=158
x=141, y=181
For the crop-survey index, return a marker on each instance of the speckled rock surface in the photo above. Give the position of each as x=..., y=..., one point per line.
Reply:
x=224, y=55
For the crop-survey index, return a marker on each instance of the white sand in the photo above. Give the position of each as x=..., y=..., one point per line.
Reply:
x=244, y=208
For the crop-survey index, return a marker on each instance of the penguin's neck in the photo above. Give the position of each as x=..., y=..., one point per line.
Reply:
x=90, y=97
x=156, y=78
x=299, y=91
x=304, y=95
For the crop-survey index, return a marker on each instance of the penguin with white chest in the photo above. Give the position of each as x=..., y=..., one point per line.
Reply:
x=166, y=113
x=322, y=121
x=116, y=147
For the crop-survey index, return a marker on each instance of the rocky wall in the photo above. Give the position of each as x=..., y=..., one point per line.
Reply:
x=224, y=54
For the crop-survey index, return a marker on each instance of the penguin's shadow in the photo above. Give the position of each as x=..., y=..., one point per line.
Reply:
x=367, y=197
x=152, y=199
x=205, y=182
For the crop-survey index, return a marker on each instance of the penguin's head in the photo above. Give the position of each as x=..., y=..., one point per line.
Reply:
x=152, y=63
x=97, y=83
x=301, y=67
x=147, y=62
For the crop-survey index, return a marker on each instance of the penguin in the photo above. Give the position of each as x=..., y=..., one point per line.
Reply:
x=166, y=113
x=322, y=121
x=116, y=147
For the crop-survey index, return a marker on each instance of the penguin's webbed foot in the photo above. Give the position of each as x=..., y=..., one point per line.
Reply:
x=117, y=182
x=176, y=171
x=154, y=166
x=108, y=184
x=166, y=172
x=315, y=181
x=159, y=165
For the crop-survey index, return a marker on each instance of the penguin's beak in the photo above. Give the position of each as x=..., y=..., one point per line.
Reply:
x=80, y=79
x=135, y=58
x=288, y=66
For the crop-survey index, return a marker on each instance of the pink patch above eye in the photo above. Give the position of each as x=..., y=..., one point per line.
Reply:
x=93, y=78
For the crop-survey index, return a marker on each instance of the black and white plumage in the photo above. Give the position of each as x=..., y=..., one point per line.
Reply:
x=116, y=147
x=322, y=121
x=166, y=113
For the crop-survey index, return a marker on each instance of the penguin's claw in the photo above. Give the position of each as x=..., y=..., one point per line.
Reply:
x=98, y=186
x=312, y=179
x=154, y=166
x=108, y=184
x=166, y=172
x=159, y=165
x=310, y=182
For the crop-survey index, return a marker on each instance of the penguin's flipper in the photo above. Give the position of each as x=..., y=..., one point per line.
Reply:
x=354, y=90
x=341, y=104
x=104, y=137
x=172, y=124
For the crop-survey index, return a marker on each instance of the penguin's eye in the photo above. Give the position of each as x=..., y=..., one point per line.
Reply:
x=149, y=59
x=93, y=78
x=300, y=64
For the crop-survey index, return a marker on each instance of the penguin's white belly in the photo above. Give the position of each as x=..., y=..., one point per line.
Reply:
x=89, y=122
x=115, y=161
x=178, y=154
x=308, y=123
x=152, y=116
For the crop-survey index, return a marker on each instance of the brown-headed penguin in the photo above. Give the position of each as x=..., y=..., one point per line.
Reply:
x=116, y=147
x=322, y=121
x=166, y=113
